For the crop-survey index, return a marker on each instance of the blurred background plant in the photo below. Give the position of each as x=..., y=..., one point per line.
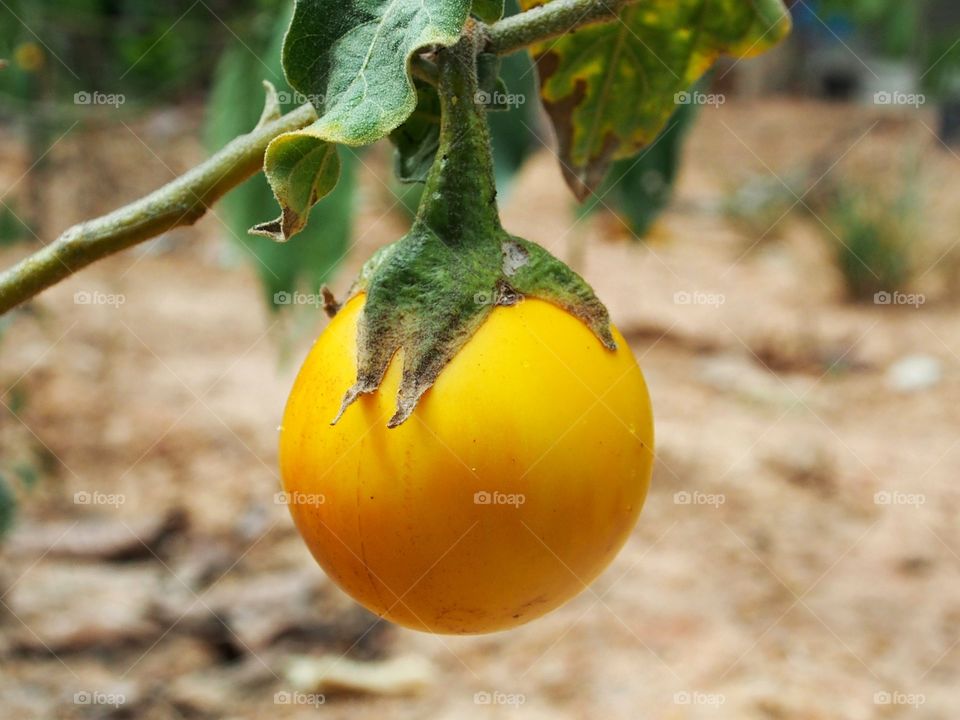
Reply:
x=23, y=462
x=234, y=105
x=152, y=54
x=871, y=221
x=875, y=231
x=23, y=457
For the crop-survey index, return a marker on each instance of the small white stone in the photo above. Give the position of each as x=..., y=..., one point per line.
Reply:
x=914, y=373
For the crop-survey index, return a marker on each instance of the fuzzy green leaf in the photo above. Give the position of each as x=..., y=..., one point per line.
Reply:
x=610, y=88
x=351, y=59
x=488, y=10
x=302, y=169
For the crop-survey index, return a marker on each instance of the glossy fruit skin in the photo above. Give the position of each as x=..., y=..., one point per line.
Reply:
x=556, y=430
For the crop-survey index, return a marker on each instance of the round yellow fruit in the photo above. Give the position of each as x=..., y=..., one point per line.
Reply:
x=514, y=484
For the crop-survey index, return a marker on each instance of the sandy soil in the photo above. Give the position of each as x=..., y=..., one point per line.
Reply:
x=814, y=573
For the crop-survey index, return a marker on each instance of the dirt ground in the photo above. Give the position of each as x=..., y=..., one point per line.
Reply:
x=798, y=557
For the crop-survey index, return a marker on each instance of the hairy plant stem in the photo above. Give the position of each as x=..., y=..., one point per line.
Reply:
x=186, y=199
x=460, y=190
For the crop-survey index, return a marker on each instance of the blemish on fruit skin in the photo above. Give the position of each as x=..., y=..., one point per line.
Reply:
x=539, y=600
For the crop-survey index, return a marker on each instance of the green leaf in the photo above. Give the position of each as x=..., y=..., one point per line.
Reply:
x=641, y=187
x=417, y=140
x=233, y=109
x=310, y=260
x=301, y=169
x=610, y=88
x=352, y=61
x=488, y=10
x=492, y=89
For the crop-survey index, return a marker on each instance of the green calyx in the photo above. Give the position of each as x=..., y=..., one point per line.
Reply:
x=430, y=291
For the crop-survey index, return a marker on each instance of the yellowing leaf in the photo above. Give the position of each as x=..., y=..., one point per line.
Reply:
x=610, y=88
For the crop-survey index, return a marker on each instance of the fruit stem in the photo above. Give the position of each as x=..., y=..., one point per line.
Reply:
x=459, y=201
